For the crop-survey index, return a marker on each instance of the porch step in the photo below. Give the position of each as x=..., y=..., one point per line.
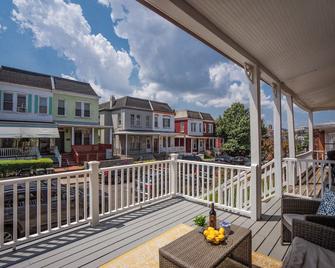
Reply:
x=67, y=160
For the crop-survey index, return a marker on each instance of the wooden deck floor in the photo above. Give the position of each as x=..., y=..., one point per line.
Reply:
x=85, y=246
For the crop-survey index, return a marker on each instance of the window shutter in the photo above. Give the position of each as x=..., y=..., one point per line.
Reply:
x=36, y=104
x=50, y=105
x=30, y=103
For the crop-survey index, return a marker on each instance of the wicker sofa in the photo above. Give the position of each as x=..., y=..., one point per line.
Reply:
x=301, y=209
x=313, y=244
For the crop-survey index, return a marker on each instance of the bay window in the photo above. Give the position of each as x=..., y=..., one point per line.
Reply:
x=21, y=103
x=7, y=102
x=87, y=112
x=43, y=105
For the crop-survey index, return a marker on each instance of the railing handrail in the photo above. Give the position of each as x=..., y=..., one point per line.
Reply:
x=45, y=177
x=215, y=164
x=310, y=160
x=135, y=165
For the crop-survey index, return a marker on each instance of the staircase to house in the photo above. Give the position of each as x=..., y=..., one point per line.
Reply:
x=67, y=160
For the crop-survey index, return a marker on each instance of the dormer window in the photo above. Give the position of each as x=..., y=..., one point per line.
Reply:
x=166, y=122
x=156, y=121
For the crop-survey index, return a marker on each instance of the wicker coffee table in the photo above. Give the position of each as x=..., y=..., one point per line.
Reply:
x=192, y=250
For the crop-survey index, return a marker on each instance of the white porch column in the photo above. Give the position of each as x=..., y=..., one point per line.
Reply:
x=72, y=136
x=290, y=127
x=277, y=125
x=92, y=135
x=253, y=74
x=310, y=131
x=184, y=144
x=110, y=136
x=126, y=145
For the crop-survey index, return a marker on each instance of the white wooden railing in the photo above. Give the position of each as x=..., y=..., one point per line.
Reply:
x=19, y=152
x=128, y=186
x=211, y=182
x=34, y=206
x=307, y=178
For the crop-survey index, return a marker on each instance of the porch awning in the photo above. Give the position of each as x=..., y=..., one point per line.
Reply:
x=29, y=131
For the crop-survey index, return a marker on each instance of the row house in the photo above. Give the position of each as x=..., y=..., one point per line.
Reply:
x=196, y=132
x=140, y=126
x=45, y=112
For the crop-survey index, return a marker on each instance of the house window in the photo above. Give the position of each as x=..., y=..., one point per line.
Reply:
x=78, y=108
x=182, y=127
x=166, y=122
x=87, y=112
x=205, y=128
x=169, y=141
x=200, y=127
x=138, y=120
x=132, y=120
x=156, y=121
x=8, y=102
x=147, y=121
x=43, y=105
x=61, y=107
x=119, y=122
x=164, y=142
x=193, y=127
x=21, y=103
x=210, y=126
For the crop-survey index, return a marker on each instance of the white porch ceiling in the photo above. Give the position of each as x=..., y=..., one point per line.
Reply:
x=293, y=41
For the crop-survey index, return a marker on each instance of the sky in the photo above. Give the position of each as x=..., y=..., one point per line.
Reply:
x=122, y=48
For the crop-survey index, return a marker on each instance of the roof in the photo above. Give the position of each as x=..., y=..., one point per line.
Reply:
x=137, y=103
x=74, y=86
x=206, y=116
x=194, y=115
x=290, y=50
x=28, y=78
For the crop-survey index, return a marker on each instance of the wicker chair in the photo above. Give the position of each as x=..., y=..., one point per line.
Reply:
x=301, y=209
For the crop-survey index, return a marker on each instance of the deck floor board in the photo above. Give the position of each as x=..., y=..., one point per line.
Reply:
x=85, y=246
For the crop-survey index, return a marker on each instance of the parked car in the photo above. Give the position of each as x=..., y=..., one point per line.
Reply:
x=224, y=159
x=190, y=157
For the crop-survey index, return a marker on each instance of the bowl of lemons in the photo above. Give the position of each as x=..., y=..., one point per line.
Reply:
x=214, y=236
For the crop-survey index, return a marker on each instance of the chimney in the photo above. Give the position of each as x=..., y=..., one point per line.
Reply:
x=111, y=101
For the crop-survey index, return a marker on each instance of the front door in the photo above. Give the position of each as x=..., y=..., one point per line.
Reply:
x=148, y=145
x=155, y=145
x=60, y=142
x=77, y=137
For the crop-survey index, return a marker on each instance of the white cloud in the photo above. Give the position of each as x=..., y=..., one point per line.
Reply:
x=61, y=25
x=3, y=28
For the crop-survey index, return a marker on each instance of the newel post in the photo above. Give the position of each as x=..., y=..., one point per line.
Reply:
x=173, y=174
x=94, y=192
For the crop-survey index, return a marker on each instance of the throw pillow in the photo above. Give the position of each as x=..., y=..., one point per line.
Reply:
x=327, y=205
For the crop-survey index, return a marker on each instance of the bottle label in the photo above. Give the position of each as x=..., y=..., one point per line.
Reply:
x=212, y=221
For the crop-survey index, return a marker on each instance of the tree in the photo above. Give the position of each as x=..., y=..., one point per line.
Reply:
x=234, y=127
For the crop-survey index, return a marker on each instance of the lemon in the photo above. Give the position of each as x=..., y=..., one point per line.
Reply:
x=220, y=237
x=206, y=232
x=221, y=230
x=210, y=229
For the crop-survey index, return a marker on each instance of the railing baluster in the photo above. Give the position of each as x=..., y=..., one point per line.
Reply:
x=307, y=178
x=300, y=177
x=184, y=174
x=152, y=168
x=207, y=188
x=109, y=191
x=202, y=183
x=143, y=183
x=139, y=185
x=85, y=196
x=68, y=205
x=161, y=175
x=179, y=178
x=213, y=185
x=59, y=203
x=77, y=198
x=116, y=186
x=192, y=185
x=128, y=187
x=188, y=179
x=238, y=193
x=133, y=186
x=27, y=208
x=225, y=188
x=38, y=209
x=102, y=194
x=198, y=187
x=314, y=180
x=322, y=177
x=2, y=213
x=166, y=168
x=49, y=205
x=15, y=212
x=122, y=188
x=232, y=188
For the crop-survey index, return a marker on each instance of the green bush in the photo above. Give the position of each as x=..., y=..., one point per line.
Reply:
x=14, y=166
